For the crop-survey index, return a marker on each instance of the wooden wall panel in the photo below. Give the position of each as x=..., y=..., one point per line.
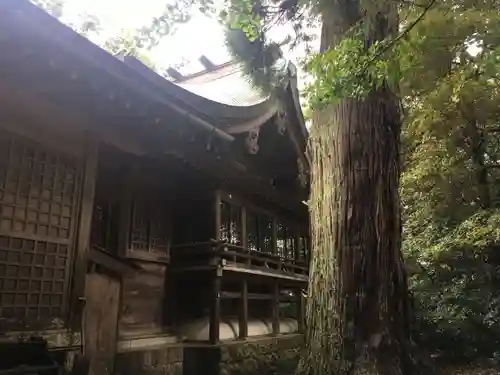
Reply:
x=101, y=313
x=143, y=300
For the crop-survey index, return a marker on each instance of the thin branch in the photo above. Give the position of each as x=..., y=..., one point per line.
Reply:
x=408, y=2
x=399, y=37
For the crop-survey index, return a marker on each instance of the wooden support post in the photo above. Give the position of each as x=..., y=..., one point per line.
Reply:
x=218, y=215
x=276, y=311
x=275, y=241
x=297, y=248
x=244, y=310
x=300, y=310
x=215, y=307
x=124, y=224
x=274, y=237
x=244, y=234
x=90, y=164
x=100, y=328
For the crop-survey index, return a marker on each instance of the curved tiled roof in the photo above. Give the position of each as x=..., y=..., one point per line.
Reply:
x=219, y=99
x=225, y=84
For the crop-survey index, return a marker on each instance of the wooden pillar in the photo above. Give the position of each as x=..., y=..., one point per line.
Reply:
x=86, y=207
x=275, y=237
x=100, y=329
x=297, y=249
x=300, y=310
x=244, y=235
x=276, y=311
x=215, y=307
x=275, y=242
x=243, y=321
x=218, y=215
x=126, y=196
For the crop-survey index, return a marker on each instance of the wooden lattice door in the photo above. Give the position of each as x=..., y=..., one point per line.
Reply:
x=39, y=189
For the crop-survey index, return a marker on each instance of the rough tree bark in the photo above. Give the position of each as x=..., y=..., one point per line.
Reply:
x=474, y=140
x=358, y=310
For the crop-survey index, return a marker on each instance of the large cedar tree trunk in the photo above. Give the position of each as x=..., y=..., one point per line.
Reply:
x=358, y=313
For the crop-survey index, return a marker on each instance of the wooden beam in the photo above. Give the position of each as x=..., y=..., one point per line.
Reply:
x=175, y=74
x=252, y=124
x=243, y=321
x=215, y=307
x=276, y=311
x=266, y=273
x=207, y=64
x=118, y=265
x=300, y=310
x=251, y=296
x=84, y=227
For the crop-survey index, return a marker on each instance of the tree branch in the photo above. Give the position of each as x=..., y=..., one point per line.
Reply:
x=409, y=2
x=399, y=37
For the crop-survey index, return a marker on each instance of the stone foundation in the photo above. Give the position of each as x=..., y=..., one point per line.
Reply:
x=273, y=356
x=153, y=361
x=265, y=356
x=470, y=370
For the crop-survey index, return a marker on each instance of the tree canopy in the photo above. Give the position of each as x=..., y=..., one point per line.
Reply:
x=449, y=188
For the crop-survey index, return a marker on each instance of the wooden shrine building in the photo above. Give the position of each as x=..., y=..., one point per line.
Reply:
x=137, y=217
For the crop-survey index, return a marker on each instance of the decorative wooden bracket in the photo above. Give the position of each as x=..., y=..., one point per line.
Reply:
x=281, y=122
x=252, y=141
x=303, y=174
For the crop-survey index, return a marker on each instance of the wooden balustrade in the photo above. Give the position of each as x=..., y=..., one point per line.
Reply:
x=204, y=253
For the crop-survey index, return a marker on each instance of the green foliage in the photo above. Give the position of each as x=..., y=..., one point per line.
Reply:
x=457, y=290
x=451, y=95
x=247, y=41
x=348, y=70
x=241, y=15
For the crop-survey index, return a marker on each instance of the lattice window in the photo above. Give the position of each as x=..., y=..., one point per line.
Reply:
x=286, y=241
x=252, y=231
x=150, y=230
x=37, y=190
x=104, y=225
x=140, y=229
x=231, y=224
x=266, y=233
x=281, y=240
x=158, y=237
x=38, y=208
x=259, y=232
x=33, y=280
x=291, y=244
x=303, y=247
